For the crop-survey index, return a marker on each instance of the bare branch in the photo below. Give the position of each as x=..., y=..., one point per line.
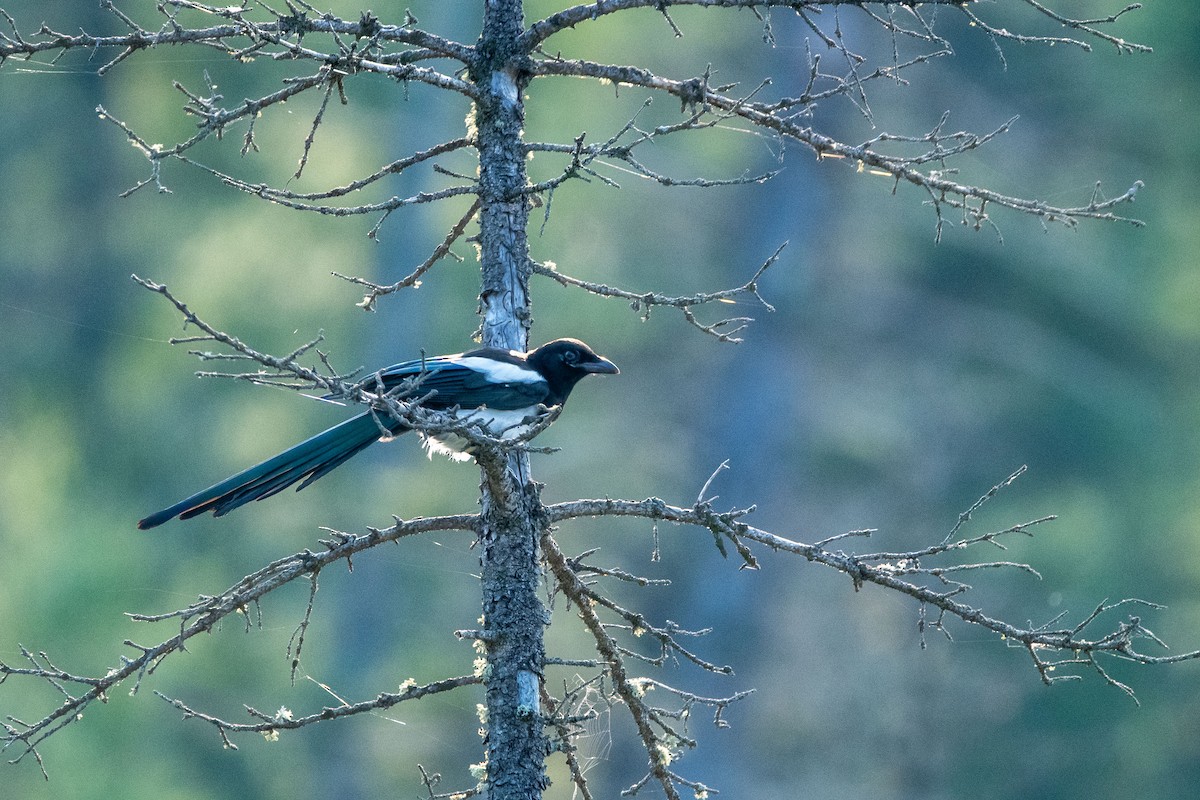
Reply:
x=614, y=149
x=891, y=570
x=643, y=302
x=545, y=28
x=568, y=18
x=279, y=32
x=1091, y=27
x=283, y=720
x=403, y=403
x=413, y=279
x=573, y=588
x=972, y=201
x=288, y=364
x=199, y=617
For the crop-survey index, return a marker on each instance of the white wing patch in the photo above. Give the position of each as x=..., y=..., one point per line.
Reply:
x=499, y=371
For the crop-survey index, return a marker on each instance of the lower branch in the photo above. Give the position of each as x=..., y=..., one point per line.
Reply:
x=271, y=724
x=900, y=572
x=200, y=617
x=1051, y=646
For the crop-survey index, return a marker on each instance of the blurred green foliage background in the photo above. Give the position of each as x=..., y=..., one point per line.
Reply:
x=896, y=382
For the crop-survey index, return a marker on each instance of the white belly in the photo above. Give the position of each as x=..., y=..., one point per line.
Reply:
x=501, y=424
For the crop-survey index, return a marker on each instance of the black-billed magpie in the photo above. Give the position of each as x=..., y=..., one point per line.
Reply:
x=501, y=390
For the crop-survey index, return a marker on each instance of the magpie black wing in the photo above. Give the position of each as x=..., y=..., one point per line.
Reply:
x=497, y=379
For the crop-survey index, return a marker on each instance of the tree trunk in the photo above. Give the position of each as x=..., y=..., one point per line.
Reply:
x=514, y=618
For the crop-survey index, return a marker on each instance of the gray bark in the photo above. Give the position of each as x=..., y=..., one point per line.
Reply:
x=513, y=615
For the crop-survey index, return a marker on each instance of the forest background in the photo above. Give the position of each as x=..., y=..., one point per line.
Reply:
x=896, y=381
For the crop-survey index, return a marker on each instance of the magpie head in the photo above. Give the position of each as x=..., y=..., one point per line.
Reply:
x=563, y=362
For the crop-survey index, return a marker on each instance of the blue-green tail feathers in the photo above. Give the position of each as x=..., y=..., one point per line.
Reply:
x=307, y=461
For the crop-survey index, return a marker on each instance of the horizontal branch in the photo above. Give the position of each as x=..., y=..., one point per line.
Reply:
x=568, y=18
x=271, y=724
x=281, y=31
x=292, y=200
x=971, y=200
x=1090, y=27
x=644, y=301
x=216, y=120
x=867, y=569
x=354, y=47
x=892, y=571
x=619, y=148
x=543, y=29
x=393, y=168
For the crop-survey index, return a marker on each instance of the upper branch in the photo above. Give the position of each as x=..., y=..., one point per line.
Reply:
x=971, y=200
x=543, y=29
x=568, y=18
x=281, y=31
x=339, y=49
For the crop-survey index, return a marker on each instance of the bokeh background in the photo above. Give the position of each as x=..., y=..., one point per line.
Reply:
x=897, y=380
